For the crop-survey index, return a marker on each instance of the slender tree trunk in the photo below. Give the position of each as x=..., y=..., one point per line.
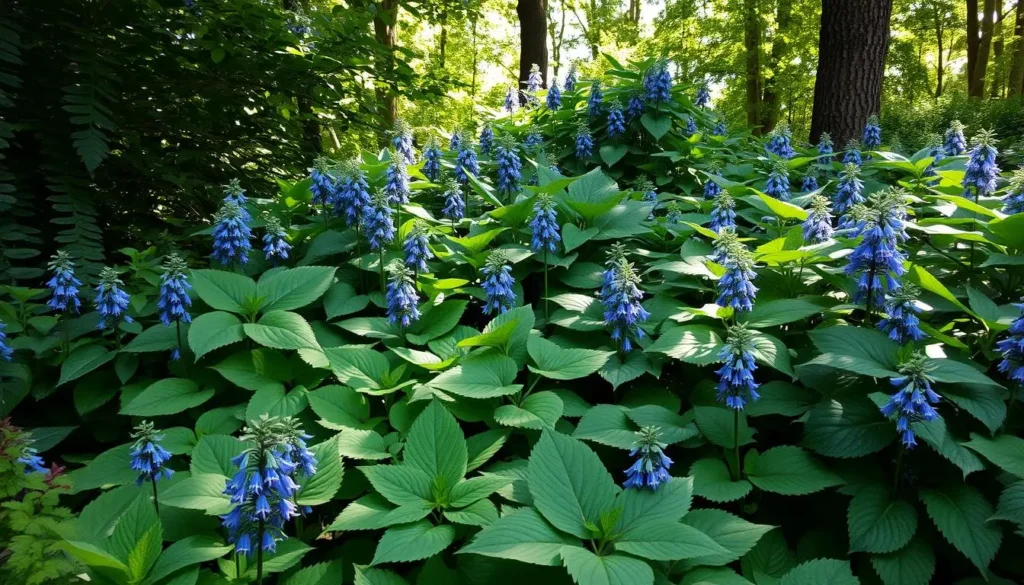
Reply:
x=752, y=46
x=385, y=30
x=981, y=38
x=853, y=42
x=1016, y=79
x=997, y=73
x=472, y=85
x=771, y=109
x=443, y=40
x=940, y=70
x=595, y=31
x=533, y=39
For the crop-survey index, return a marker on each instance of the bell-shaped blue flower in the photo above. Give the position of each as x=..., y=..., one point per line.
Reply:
x=417, y=249
x=778, y=182
x=353, y=194
x=432, y=161
x=703, y=96
x=1013, y=202
x=982, y=170
x=397, y=183
x=486, y=139
x=616, y=122
x=6, y=351
x=877, y=261
x=148, y=457
x=454, y=206
x=231, y=235
x=466, y=163
x=912, y=402
x=810, y=183
x=852, y=154
x=651, y=466
x=378, y=224
x=818, y=225
x=634, y=106
x=511, y=99
x=954, y=142
x=544, y=228
x=174, y=301
x=570, y=78
x=401, y=296
x=63, y=284
x=111, y=301
x=872, y=137
x=275, y=241
x=736, y=286
x=510, y=168
x=594, y=106
x=736, y=385
x=325, y=186
x=691, y=126
x=402, y=142
x=554, y=97
x=32, y=461
x=535, y=81
x=621, y=296
x=780, y=142
x=584, y=142
x=658, y=83
x=1012, y=349
x=902, y=324
x=723, y=212
x=825, y=146
x=848, y=194
x=498, y=283
x=534, y=139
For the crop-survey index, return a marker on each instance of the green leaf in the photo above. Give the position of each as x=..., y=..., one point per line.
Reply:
x=470, y=490
x=520, y=535
x=213, y=454
x=367, y=576
x=667, y=540
x=820, y=572
x=289, y=553
x=357, y=444
x=255, y=368
x=211, y=331
x=865, y=352
x=339, y=407
x=569, y=484
x=672, y=428
x=789, y=471
x=732, y=532
x=935, y=434
x=914, y=564
x=358, y=367
x=412, y=542
x=564, y=364
x=272, y=400
x=847, y=429
x=780, y=311
x=137, y=538
x=189, y=551
x=573, y=237
x=539, y=411
x=326, y=482
x=341, y=299
x=282, y=330
x=437, y=321
x=199, y=492
x=920, y=276
x=1011, y=504
x=592, y=194
x=657, y=124
x=480, y=376
x=587, y=568
x=436, y=446
x=781, y=209
x=713, y=576
x=612, y=153
x=480, y=448
x=293, y=288
x=400, y=484
x=607, y=424
x=82, y=361
x=769, y=350
x=329, y=573
x=167, y=396
x=372, y=512
x=98, y=518
x=670, y=502
x=718, y=425
x=879, y=524
x=982, y=402
x=480, y=513
x=712, y=481
x=224, y=291
x=782, y=398
x=695, y=344
x=112, y=467
x=1006, y=451
x=94, y=556
x=618, y=371
x=954, y=372
x=159, y=337
x=960, y=512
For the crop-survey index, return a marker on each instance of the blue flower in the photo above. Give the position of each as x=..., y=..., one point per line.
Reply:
x=848, y=194
x=401, y=296
x=810, y=184
x=554, y=98
x=982, y=171
x=534, y=139
x=63, y=284
x=912, y=402
x=616, y=122
x=324, y=187
x=711, y=189
x=498, y=283
x=111, y=301
x=33, y=463
x=937, y=153
x=570, y=78
x=174, y=300
x=234, y=193
x=736, y=287
x=634, y=106
x=466, y=163
x=645, y=186
x=1013, y=202
x=148, y=457
x=658, y=83
x=486, y=139
x=621, y=296
x=594, y=99
x=454, y=206
x=510, y=168
x=455, y=142
x=736, y=385
x=1012, y=349
x=954, y=142
x=651, y=466
x=691, y=126
x=903, y=324
x=432, y=161
x=852, y=154
x=675, y=213
x=723, y=213
x=417, y=249
x=402, y=142
x=535, y=81
x=378, y=224
x=825, y=145
x=584, y=142
x=780, y=142
x=544, y=226
x=397, y=184
x=6, y=352
x=778, y=182
x=231, y=235
x=877, y=260
x=275, y=242
x=872, y=137
x=818, y=225
x=511, y=99
x=353, y=194
x=720, y=128
x=703, y=96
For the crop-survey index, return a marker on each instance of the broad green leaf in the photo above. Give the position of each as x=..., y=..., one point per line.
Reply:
x=618, y=371
x=137, y=538
x=914, y=564
x=289, y=553
x=658, y=124
x=329, y=573
x=732, y=532
x=436, y=446
x=954, y=372
x=189, y=551
x=667, y=540
x=820, y=572
x=159, y=337
x=1006, y=451
x=94, y=556
x=341, y=299
x=539, y=411
x=569, y=484
x=110, y=468
x=220, y=421
x=557, y=363
x=590, y=569
x=612, y=153
x=167, y=396
x=672, y=428
x=671, y=501
x=866, y=352
x=961, y=514
x=607, y=424
x=920, y=276
x=282, y=330
x=255, y=368
x=712, y=481
x=718, y=425
x=211, y=331
x=789, y=471
x=1011, y=504
x=853, y=428
x=781, y=209
x=412, y=542
x=437, y=321
x=368, y=576
x=714, y=576
x=358, y=367
x=592, y=194
x=224, y=291
x=695, y=344
x=321, y=487
x=935, y=434
x=293, y=288
x=780, y=311
x=769, y=350
x=480, y=376
x=573, y=237
x=470, y=490
x=272, y=400
x=480, y=513
x=982, y=402
x=400, y=484
x=199, y=492
x=82, y=361
x=339, y=407
x=782, y=398
x=372, y=512
x=98, y=518
x=213, y=454
x=879, y=524
x=480, y=448
x=360, y=444
x=520, y=535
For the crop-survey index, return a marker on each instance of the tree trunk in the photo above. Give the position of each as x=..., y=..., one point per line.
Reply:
x=595, y=31
x=997, y=77
x=852, y=43
x=982, y=41
x=1016, y=80
x=557, y=32
x=533, y=39
x=443, y=40
x=385, y=30
x=771, y=108
x=940, y=70
x=752, y=46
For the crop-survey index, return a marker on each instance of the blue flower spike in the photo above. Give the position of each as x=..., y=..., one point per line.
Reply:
x=650, y=469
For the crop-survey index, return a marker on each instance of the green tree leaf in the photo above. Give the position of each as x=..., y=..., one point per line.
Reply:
x=539, y=411
x=159, y=337
x=607, y=424
x=865, y=352
x=520, y=535
x=1006, y=451
x=961, y=513
x=213, y=454
x=82, y=361
x=224, y=291
x=781, y=311
x=820, y=572
x=732, y=532
x=470, y=490
x=437, y=447
x=852, y=428
x=328, y=573
x=412, y=542
x=401, y=484
x=436, y=321
x=255, y=368
x=712, y=481
x=695, y=344
x=717, y=424
x=189, y=551
x=481, y=376
x=372, y=512
x=326, y=482
x=367, y=576
x=789, y=471
x=282, y=330
x=204, y=491
x=564, y=364
x=671, y=501
x=914, y=564
x=293, y=288
x=879, y=524
x=211, y=331
x=587, y=568
x=667, y=540
x=167, y=396
x=481, y=513
x=339, y=407
x=272, y=400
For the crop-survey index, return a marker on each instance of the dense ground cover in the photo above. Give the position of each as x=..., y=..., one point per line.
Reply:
x=602, y=337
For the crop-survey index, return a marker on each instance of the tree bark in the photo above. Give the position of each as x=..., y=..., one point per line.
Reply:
x=771, y=107
x=752, y=46
x=533, y=40
x=385, y=30
x=852, y=44
x=981, y=39
x=1016, y=79
x=940, y=69
x=443, y=40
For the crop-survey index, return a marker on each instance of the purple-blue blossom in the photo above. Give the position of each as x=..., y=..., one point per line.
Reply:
x=511, y=99
x=723, y=213
x=651, y=466
x=510, y=168
x=913, y=399
x=401, y=296
x=417, y=249
x=402, y=142
x=658, y=83
x=63, y=284
x=818, y=225
x=353, y=194
x=1012, y=349
x=466, y=163
x=554, y=97
x=691, y=126
x=454, y=206
x=736, y=286
x=616, y=122
x=621, y=297
x=848, y=194
x=825, y=146
x=872, y=137
x=584, y=142
x=544, y=229
x=594, y=99
x=982, y=170
x=954, y=141
x=852, y=154
x=902, y=324
x=498, y=283
x=1013, y=202
x=780, y=142
x=877, y=261
x=397, y=183
x=378, y=224
x=535, y=81
x=275, y=241
x=777, y=185
x=432, y=161
x=111, y=301
x=736, y=385
x=570, y=78
x=810, y=183
x=148, y=457
x=703, y=96
x=6, y=351
x=231, y=235
x=486, y=139
x=634, y=106
x=325, y=186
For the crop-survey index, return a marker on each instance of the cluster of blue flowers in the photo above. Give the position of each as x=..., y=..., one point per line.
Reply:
x=174, y=300
x=810, y=183
x=736, y=385
x=275, y=240
x=674, y=213
x=818, y=225
x=231, y=234
x=63, y=284
x=720, y=129
x=877, y=261
x=634, y=106
x=780, y=142
x=584, y=142
x=736, y=287
x=401, y=297
x=148, y=457
x=1013, y=202
x=417, y=249
x=645, y=186
x=711, y=189
x=486, y=139
x=621, y=296
x=848, y=194
x=982, y=170
x=234, y=193
x=902, y=324
x=570, y=78
x=658, y=83
x=377, y=221
x=825, y=145
x=455, y=142
x=1012, y=349
x=777, y=185
x=432, y=160
x=852, y=154
x=402, y=142
x=498, y=283
x=594, y=99
x=651, y=466
x=723, y=212
x=353, y=193
x=616, y=122
x=454, y=206
x=534, y=139
x=511, y=99
x=510, y=168
x=535, y=81
x=6, y=351
x=954, y=141
x=466, y=162
x=397, y=183
x=554, y=97
x=32, y=461
x=872, y=137
x=544, y=228
x=703, y=96
x=324, y=187
x=263, y=489
x=912, y=402
x=691, y=126
x=111, y=301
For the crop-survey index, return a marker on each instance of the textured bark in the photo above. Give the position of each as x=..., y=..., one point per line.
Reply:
x=853, y=42
x=1016, y=79
x=385, y=30
x=771, y=106
x=752, y=46
x=940, y=68
x=533, y=40
x=443, y=41
x=981, y=39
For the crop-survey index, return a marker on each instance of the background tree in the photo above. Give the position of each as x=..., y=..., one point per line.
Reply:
x=533, y=38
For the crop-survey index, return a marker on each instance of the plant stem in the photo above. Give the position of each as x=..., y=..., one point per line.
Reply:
x=381, y=263
x=177, y=325
x=736, y=443
x=259, y=552
x=156, y=502
x=896, y=475
x=869, y=302
x=547, y=302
